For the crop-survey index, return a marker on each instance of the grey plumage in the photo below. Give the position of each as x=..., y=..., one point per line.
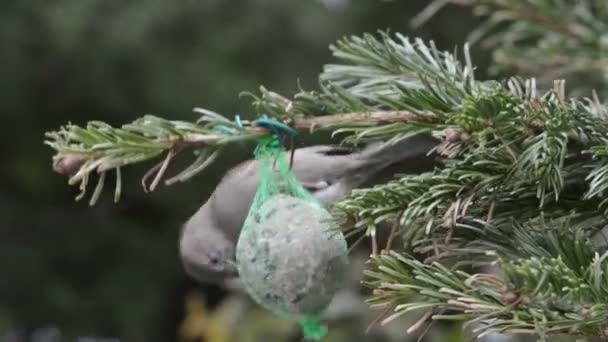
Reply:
x=208, y=239
x=205, y=250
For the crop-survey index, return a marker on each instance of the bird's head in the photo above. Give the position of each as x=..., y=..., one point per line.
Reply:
x=207, y=255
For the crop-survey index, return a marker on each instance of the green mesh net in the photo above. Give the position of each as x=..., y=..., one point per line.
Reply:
x=290, y=257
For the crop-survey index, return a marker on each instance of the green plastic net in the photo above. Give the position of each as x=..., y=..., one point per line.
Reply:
x=290, y=257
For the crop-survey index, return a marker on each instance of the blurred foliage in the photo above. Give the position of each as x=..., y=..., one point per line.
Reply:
x=113, y=270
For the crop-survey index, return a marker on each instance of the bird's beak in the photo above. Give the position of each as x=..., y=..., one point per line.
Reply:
x=231, y=268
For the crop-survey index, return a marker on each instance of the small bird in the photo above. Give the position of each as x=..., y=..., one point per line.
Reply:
x=328, y=172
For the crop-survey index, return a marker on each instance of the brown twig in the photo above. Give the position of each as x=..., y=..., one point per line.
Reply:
x=425, y=331
x=316, y=122
x=375, y=321
x=292, y=149
x=393, y=232
x=300, y=124
x=68, y=165
x=366, y=118
x=491, y=212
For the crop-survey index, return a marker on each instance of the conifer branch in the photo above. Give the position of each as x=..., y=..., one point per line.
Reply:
x=521, y=181
x=99, y=147
x=539, y=295
x=546, y=39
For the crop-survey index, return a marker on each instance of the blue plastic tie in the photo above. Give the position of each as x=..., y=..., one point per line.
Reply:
x=276, y=127
x=228, y=130
x=223, y=129
x=237, y=118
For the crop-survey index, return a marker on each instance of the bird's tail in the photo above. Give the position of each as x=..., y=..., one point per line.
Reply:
x=379, y=162
x=391, y=152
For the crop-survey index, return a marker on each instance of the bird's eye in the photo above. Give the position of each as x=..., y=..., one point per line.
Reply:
x=214, y=259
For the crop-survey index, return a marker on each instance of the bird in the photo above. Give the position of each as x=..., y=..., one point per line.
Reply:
x=329, y=172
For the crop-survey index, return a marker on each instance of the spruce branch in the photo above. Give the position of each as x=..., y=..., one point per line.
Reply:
x=521, y=146
x=537, y=295
x=520, y=183
x=547, y=39
x=100, y=148
x=441, y=80
x=382, y=73
x=375, y=66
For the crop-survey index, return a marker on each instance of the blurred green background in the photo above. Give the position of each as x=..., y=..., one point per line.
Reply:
x=112, y=270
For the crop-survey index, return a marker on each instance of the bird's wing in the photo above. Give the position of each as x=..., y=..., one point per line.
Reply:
x=329, y=150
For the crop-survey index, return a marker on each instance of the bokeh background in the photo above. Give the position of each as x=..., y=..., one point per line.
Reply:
x=67, y=270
